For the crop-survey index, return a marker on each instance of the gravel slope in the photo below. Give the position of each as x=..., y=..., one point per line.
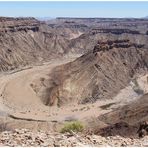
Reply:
x=25, y=137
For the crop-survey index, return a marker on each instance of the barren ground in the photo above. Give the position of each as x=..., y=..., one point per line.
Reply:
x=19, y=99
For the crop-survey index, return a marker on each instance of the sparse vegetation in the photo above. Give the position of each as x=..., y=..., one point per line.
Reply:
x=75, y=126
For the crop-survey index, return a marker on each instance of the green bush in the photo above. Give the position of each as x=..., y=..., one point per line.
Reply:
x=75, y=126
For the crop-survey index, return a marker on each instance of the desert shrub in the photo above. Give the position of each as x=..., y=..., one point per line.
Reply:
x=74, y=126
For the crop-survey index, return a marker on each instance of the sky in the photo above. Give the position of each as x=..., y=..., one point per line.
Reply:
x=74, y=9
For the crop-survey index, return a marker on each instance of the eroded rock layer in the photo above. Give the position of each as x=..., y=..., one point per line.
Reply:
x=99, y=74
x=26, y=41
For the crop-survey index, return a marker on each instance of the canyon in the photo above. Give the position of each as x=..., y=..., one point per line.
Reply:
x=93, y=70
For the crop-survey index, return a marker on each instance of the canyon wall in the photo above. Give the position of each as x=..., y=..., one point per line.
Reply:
x=98, y=74
x=25, y=41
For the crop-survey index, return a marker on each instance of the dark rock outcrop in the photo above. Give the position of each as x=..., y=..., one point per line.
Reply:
x=114, y=31
x=109, y=44
x=143, y=129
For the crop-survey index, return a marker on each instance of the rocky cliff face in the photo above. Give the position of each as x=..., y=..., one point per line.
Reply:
x=18, y=24
x=99, y=74
x=114, y=31
x=88, y=40
x=109, y=44
x=26, y=41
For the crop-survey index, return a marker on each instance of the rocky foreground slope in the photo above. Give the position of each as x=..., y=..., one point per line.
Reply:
x=25, y=137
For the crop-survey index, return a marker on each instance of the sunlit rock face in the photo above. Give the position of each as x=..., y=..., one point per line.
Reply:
x=26, y=41
x=98, y=74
